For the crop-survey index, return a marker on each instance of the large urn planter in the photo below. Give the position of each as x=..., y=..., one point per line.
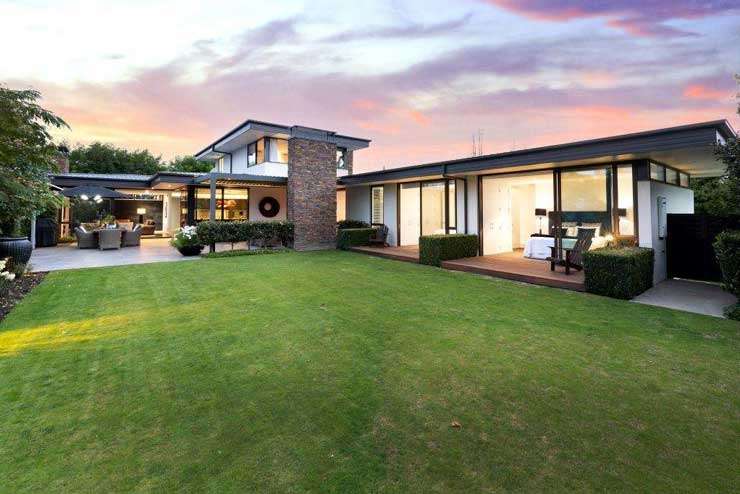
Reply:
x=18, y=249
x=190, y=250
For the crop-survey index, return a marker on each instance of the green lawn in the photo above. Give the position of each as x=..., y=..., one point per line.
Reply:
x=333, y=371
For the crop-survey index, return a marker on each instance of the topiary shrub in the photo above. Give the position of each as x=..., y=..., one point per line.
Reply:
x=263, y=232
x=433, y=249
x=350, y=237
x=727, y=249
x=619, y=273
x=344, y=224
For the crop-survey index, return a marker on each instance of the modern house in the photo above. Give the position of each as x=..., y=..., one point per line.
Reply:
x=621, y=186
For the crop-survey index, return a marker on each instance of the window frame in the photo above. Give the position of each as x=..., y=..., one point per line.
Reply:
x=341, y=157
x=382, y=205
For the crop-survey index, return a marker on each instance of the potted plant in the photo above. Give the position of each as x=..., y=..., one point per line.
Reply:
x=14, y=245
x=186, y=241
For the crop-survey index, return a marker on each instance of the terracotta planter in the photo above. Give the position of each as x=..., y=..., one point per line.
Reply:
x=17, y=248
x=190, y=250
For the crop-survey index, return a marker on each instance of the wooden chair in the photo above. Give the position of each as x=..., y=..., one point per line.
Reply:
x=574, y=255
x=380, y=236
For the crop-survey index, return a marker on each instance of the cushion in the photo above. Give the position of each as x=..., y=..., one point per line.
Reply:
x=82, y=229
x=596, y=227
x=571, y=228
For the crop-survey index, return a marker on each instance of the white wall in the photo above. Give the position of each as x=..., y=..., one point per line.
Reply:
x=358, y=203
x=255, y=196
x=473, y=204
x=678, y=200
x=460, y=206
x=170, y=213
x=240, y=165
x=390, y=207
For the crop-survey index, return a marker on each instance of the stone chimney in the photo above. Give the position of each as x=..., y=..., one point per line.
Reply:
x=62, y=158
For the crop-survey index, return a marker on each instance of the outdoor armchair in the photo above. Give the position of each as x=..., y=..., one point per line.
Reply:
x=109, y=238
x=380, y=236
x=131, y=238
x=85, y=239
x=573, y=257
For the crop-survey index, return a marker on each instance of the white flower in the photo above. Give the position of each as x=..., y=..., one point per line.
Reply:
x=2, y=264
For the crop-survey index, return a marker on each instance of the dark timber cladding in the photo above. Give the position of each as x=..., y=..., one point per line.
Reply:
x=312, y=193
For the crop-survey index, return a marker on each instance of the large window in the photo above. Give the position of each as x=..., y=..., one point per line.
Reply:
x=410, y=214
x=277, y=150
x=433, y=208
x=231, y=204
x=625, y=200
x=260, y=151
x=586, y=200
x=376, y=206
x=252, y=154
x=452, y=206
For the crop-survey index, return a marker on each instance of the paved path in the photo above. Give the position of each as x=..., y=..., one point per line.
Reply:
x=691, y=296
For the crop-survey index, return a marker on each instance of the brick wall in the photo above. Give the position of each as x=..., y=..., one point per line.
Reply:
x=348, y=157
x=312, y=193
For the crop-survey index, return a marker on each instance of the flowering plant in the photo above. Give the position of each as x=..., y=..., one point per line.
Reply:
x=5, y=277
x=186, y=236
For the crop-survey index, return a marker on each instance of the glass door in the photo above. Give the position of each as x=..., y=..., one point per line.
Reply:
x=410, y=214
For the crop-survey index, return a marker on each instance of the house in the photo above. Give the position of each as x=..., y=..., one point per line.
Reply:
x=621, y=186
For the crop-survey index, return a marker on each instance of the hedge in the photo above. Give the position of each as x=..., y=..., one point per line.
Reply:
x=211, y=232
x=344, y=224
x=349, y=237
x=242, y=252
x=618, y=272
x=727, y=249
x=433, y=249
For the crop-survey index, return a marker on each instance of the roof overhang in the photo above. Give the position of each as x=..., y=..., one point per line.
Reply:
x=240, y=179
x=689, y=148
x=251, y=130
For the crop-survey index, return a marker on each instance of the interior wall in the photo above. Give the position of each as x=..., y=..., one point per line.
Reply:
x=126, y=209
x=256, y=194
x=472, y=204
x=390, y=215
x=410, y=214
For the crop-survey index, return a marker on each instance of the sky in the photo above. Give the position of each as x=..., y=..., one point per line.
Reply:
x=418, y=78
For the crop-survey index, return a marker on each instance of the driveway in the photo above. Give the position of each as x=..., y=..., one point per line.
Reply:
x=690, y=296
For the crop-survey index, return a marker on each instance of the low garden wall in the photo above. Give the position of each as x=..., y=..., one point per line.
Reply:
x=433, y=249
x=618, y=272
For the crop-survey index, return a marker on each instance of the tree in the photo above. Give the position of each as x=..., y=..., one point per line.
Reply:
x=101, y=157
x=189, y=164
x=27, y=156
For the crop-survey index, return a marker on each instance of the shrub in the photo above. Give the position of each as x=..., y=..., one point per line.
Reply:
x=263, y=232
x=733, y=312
x=185, y=237
x=6, y=277
x=242, y=252
x=344, y=224
x=349, y=237
x=727, y=249
x=619, y=273
x=433, y=249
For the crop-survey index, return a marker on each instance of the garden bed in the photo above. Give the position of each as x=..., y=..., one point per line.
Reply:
x=19, y=288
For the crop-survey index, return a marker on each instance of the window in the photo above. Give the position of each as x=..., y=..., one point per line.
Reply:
x=625, y=200
x=341, y=158
x=671, y=176
x=684, y=180
x=277, y=150
x=586, y=199
x=433, y=208
x=376, y=206
x=657, y=172
x=252, y=154
x=452, y=206
x=260, y=151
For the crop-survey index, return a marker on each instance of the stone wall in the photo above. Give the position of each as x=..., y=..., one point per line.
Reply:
x=312, y=193
x=348, y=158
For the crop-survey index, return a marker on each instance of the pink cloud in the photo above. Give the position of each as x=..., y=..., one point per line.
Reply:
x=704, y=92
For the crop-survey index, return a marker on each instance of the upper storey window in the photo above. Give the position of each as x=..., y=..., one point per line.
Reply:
x=267, y=149
x=341, y=158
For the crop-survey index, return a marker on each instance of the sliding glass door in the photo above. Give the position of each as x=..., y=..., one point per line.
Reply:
x=433, y=208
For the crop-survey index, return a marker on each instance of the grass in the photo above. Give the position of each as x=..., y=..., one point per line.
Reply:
x=334, y=371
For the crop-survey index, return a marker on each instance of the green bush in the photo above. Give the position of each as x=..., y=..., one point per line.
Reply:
x=727, y=249
x=263, y=232
x=350, y=237
x=433, y=249
x=344, y=224
x=618, y=272
x=733, y=312
x=242, y=252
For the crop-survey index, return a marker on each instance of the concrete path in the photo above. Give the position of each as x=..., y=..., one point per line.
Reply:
x=690, y=296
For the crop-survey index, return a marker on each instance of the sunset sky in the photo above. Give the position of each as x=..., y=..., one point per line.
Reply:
x=419, y=78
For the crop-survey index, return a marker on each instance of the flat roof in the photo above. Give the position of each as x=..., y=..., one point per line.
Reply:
x=679, y=146
x=261, y=128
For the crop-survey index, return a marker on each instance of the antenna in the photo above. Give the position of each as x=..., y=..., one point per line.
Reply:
x=480, y=142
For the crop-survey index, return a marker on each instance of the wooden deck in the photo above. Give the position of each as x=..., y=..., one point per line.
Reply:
x=513, y=266
x=408, y=253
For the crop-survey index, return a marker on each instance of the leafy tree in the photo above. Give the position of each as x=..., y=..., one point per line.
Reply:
x=189, y=164
x=101, y=157
x=27, y=156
